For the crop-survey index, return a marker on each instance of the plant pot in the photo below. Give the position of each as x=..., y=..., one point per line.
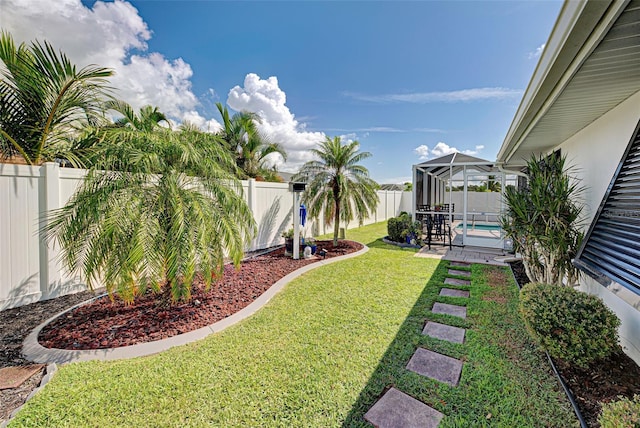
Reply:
x=288, y=246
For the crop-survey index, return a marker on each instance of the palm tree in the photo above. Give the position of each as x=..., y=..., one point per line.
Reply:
x=337, y=185
x=147, y=119
x=157, y=207
x=249, y=146
x=44, y=101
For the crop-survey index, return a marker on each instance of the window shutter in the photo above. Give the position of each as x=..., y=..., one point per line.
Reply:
x=611, y=249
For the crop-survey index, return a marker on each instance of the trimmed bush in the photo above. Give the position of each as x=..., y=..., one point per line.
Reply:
x=397, y=225
x=623, y=413
x=569, y=324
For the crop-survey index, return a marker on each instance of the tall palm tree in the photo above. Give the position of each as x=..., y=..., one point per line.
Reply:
x=338, y=185
x=44, y=101
x=249, y=146
x=147, y=119
x=157, y=207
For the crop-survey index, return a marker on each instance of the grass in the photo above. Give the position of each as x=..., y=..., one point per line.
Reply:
x=320, y=354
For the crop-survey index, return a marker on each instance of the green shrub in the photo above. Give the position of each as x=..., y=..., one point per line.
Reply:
x=397, y=225
x=569, y=324
x=623, y=413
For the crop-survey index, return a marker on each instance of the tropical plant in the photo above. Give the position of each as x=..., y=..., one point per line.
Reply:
x=45, y=101
x=248, y=145
x=157, y=207
x=147, y=119
x=337, y=185
x=542, y=219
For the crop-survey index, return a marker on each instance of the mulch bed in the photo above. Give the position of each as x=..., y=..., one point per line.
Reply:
x=16, y=324
x=603, y=381
x=104, y=323
x=108, y=323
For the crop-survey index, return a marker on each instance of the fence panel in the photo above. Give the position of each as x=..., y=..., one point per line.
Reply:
x=30, y=269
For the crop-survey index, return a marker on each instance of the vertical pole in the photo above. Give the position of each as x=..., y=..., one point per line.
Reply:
x=49, y=263
x=252, y=201
x=296, y=225
x=464, y=206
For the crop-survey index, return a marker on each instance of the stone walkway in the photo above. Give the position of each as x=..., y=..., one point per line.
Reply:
x=467, y=255
x=396, y=409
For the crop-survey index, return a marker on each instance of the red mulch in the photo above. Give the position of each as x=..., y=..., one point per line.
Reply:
x=106, y=324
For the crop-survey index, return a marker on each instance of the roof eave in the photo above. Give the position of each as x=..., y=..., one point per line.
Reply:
x=579, y=28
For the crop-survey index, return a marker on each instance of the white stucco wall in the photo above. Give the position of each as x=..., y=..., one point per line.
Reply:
x=596, y=152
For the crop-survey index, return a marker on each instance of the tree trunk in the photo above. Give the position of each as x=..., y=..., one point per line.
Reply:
x=336, y=224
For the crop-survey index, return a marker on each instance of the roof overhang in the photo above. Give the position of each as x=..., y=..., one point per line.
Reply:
x=448, y=166
x=590, y=64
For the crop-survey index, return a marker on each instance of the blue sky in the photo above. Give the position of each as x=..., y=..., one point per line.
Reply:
x=408, y=80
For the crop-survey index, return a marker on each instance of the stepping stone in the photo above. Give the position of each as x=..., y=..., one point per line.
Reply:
x=444, y=332
x=454, y=293
x=13, y=377
x=398, y=410
x=436, y=366
x=460, y=264
x=444, y=308
x=459, y=272
x=454, y=281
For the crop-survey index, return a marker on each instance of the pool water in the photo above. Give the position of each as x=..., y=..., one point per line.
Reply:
x=481, y=227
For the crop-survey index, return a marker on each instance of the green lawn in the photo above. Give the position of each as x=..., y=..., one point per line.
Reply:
x=320, y=353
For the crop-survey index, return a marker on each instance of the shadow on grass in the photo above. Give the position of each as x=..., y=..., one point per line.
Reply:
x=391, y=371
x=380, y=244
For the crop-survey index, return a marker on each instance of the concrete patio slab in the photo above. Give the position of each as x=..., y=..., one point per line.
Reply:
x=444, y=332
x=480, y=255
x=454, y=293
x=398, y=410
x=455, y=310
x=459, y=272
x=455, y=281
x=436, y=366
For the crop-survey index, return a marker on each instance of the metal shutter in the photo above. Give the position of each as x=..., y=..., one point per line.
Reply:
x=611, y=248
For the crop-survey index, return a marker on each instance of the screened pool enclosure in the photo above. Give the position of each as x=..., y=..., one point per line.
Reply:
x=465, y=193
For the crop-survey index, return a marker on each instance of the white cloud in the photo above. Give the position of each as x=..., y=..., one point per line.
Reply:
x=265, y=98
x=443, y=149
x=194, y=117
x=349, y=138
x=463, y=95
x=536, y=53
x=111, y=34
x=422, y=151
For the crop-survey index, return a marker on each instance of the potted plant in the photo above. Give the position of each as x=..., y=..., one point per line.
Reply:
x=310, y=242
x=288, y=241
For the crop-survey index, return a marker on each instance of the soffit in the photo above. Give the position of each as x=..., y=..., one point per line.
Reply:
x=609, y=75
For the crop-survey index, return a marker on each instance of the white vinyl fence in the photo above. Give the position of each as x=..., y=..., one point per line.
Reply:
x=30, y=270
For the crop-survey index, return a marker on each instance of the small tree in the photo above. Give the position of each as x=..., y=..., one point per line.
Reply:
x=542, y=219
x=338, y=184
x=157, y=207
x=250, y=148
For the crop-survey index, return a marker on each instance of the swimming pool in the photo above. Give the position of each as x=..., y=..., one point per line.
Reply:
x=480, y=227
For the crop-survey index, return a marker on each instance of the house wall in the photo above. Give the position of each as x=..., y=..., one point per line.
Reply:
x=31, y=271
x=595, y=152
